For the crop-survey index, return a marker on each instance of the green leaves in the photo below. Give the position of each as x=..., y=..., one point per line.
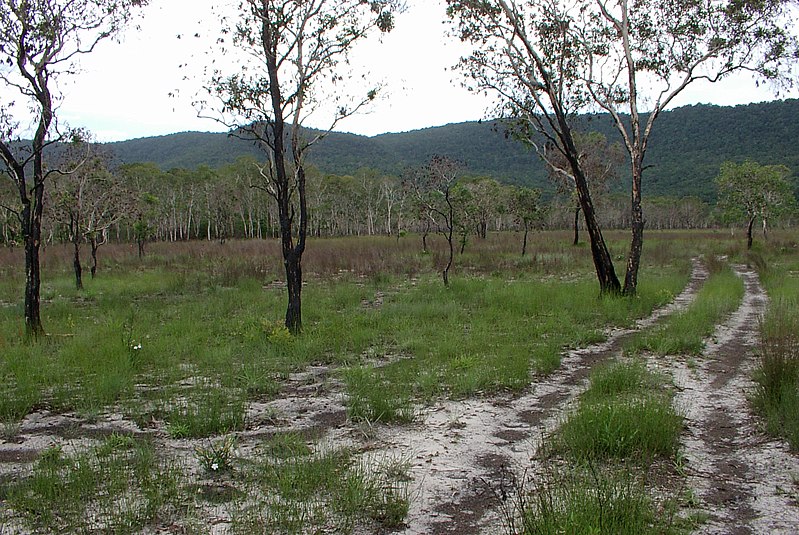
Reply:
x=750, y=190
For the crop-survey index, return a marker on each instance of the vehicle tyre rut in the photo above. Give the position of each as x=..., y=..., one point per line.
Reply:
x=745, y=481
x=461, y=452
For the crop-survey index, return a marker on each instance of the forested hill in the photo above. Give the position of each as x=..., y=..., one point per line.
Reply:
x=688, y=146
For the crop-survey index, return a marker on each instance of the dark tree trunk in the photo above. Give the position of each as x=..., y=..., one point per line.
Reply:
x=94, y=246
x=603, y=263
x=445, y=273
x=32, y=236
x=76, y=264
x=292, y=262
x=576, y=226
x=292, y=253
x=294, y=284
x=31, y=217
x=524, y=243
x=483, y=229
x=637, y=241
x=450, y=220
x=749, y=233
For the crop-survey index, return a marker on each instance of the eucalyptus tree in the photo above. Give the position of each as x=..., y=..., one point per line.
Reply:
x=391, y=192
x=435, y=190
x=642, y=54
x=243, y=175
x=297, y=52
x=750, y=191
x=525, y=206
x=600, y=161
x=485, y=197
x=89, y=201
x=528, y=55
x=142, y=180
x=368, y=197
x=40, y=42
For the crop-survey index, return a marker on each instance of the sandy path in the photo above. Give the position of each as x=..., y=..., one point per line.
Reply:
x=461, y=451
x=746, y=481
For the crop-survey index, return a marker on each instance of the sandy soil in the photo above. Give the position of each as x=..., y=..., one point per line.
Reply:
x=461, y=454
x=744, y=480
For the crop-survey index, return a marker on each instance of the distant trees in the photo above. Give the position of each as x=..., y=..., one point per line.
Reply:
x=141, y=203
x=88, y=202
x=142, y=215
x=525, y=206
x=40, y=42
x=486, y=199
x=749, y=191
x=300, y=48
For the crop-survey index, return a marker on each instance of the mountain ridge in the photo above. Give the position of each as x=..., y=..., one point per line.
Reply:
x=687, y=147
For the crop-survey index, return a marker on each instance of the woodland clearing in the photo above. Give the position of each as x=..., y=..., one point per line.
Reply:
x=168, y=400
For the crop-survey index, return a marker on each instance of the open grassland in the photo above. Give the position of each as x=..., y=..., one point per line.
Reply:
x=777, y=396
x=208, y=314
x=183, y=342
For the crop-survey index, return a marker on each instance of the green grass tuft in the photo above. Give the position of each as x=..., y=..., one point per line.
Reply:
x=633, y=429
x=686, y=332
x=626, y=414
x=120, y=481
x=777, y=378
x=587, y=501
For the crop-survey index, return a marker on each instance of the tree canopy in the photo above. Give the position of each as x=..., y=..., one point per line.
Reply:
x=749, y=191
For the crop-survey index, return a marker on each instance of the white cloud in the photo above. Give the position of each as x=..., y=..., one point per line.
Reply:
x=123, y=90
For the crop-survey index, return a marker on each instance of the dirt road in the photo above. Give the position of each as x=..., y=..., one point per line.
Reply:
x=744, y=480
x=461, y=452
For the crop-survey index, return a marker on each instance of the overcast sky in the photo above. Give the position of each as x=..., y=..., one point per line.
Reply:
x=123, y=89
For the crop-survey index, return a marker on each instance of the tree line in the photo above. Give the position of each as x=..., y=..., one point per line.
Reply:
x=139, y=202
x=286, y=60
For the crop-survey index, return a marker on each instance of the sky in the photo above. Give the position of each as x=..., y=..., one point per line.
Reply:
x=123, y=89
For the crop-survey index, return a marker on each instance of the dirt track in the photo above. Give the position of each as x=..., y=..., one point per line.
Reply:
x=461, y=452
x=746, y=481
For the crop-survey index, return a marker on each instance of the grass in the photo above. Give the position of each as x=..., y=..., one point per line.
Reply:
x=375, y=400
x=622, y=423
x=486, y=335
x=642, y=428
x=625, y=414
x=185, y=340
x=586, y=500
x=777, y=377
x=685, y=333
x=117, y=486
x=306, y=490
x=135, y=335
x=207, y=411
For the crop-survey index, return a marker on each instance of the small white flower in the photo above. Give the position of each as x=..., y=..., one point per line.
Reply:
x=215, y=467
